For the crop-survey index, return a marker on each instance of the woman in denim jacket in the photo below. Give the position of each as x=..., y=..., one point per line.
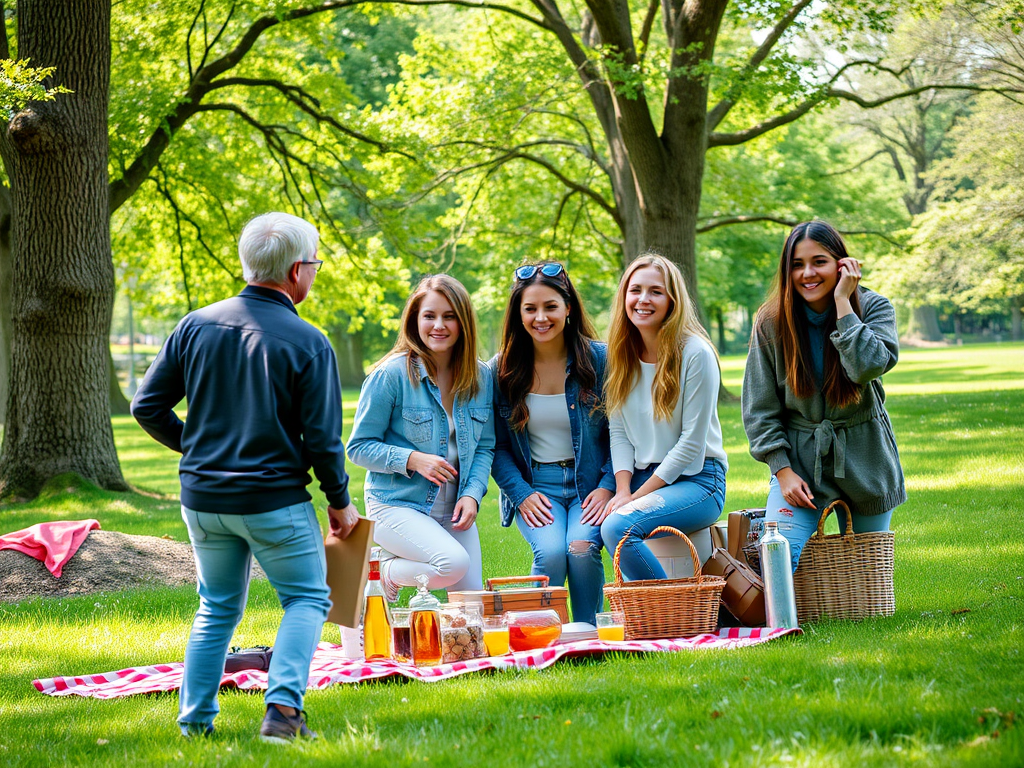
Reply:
x=551, y=460
x=424, y=431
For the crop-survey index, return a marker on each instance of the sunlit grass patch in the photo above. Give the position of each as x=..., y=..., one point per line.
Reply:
x=932, y=685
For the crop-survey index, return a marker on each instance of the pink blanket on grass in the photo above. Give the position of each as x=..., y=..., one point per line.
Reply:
x=53, y=543
x=330, y=667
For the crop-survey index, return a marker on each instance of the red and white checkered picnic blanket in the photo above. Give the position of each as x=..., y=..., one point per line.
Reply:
x=330, y=666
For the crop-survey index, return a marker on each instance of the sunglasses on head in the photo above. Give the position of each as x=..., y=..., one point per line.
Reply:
x=529, y=270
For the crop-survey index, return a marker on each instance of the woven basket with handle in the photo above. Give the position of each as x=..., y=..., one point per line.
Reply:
x=845, y=575
x=655, y=608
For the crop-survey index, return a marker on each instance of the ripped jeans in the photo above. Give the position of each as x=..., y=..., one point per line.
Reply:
x=692, y=502
x=566, y=547
x=798, y=524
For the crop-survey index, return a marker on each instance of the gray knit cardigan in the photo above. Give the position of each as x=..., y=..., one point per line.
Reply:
x=853, y=447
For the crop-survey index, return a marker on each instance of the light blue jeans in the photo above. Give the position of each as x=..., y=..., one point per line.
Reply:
x=289, y=547
x=798, y=524
x=566, y=547
x=692, y=502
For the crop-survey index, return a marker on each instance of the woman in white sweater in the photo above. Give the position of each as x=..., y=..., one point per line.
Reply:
x=662, y=400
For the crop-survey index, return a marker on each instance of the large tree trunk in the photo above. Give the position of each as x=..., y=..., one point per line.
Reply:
x=720, y=327
x=55, y=153
x=349, y=349
x=924, y=324
x=1016, y=306
x=5, y=300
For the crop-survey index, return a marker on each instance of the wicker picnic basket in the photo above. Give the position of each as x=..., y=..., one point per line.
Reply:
x=659, y=608
x=845, y=575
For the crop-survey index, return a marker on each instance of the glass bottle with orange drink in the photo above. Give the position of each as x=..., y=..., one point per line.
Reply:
x=376, y=616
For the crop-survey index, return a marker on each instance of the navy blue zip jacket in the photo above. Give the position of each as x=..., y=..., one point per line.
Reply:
x=264, y=405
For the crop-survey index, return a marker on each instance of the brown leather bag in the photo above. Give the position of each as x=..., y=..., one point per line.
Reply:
x=743, y=595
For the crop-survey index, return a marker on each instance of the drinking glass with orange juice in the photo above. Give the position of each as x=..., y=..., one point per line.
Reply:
x=496, y=635
x=611, y=627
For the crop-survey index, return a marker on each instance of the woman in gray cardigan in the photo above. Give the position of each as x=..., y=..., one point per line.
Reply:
x=813, y=403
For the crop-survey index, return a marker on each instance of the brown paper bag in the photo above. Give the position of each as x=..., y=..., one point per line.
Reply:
x=348, y=565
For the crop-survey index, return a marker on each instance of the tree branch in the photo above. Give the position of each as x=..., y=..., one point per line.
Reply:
x=181, y=242
x=716, y=115
x=179, y=213
x=860, y=164
x=595, y=156
x=725, y=221
x=872, y=103
x=140, y=168
x=741, y=137
x=613, y=24
x=308, y=104
x=514, y=153
x=645, y=30
x=581, y=149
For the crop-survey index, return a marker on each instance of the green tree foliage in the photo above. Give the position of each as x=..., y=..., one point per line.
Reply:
x=965, y=253
x=21, y=83
x=285, y=130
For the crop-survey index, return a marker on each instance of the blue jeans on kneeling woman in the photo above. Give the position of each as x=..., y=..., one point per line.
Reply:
x=689, y=504
x=566, y=547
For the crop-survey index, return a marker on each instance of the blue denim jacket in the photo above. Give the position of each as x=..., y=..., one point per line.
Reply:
x=396, y=416
x=512, y=469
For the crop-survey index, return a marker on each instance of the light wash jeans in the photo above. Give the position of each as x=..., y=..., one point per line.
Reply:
x=798, y=524
x=289, y=546
x=413, y=542
x=692, y=502
x=555, y=554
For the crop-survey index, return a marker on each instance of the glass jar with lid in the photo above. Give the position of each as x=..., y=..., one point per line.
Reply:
x=425, y=626
x=462, y=632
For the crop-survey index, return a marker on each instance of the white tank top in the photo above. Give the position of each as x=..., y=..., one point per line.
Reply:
x=548, y=429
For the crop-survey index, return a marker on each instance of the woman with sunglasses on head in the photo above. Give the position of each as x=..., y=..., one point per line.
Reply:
x=813, y=403
x=551, y=459
x=424, y=431
x=662, y=399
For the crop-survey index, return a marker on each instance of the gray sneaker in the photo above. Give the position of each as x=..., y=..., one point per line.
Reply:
x=279, y=728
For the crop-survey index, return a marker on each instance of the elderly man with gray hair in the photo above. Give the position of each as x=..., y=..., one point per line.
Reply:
x=264, y=406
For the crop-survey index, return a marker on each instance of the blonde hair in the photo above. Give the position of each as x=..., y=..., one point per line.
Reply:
x=465, y=373
x=626, y=345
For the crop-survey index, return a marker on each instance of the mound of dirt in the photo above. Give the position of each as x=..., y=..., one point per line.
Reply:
x=106, y=562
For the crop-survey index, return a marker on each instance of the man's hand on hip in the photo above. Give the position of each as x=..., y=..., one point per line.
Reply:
x=343, y=521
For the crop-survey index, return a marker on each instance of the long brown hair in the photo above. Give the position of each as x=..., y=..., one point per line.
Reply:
x=515, y=363
x=626, y=345
x=465, y=373
x=782, y=320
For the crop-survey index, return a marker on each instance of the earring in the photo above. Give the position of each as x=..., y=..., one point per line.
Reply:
x=568, y=319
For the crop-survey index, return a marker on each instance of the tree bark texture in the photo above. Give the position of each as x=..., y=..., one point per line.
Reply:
x=656, y=176
x=6, y=284
x=55, y=154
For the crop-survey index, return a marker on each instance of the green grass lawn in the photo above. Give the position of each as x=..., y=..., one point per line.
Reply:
x=931, y=685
